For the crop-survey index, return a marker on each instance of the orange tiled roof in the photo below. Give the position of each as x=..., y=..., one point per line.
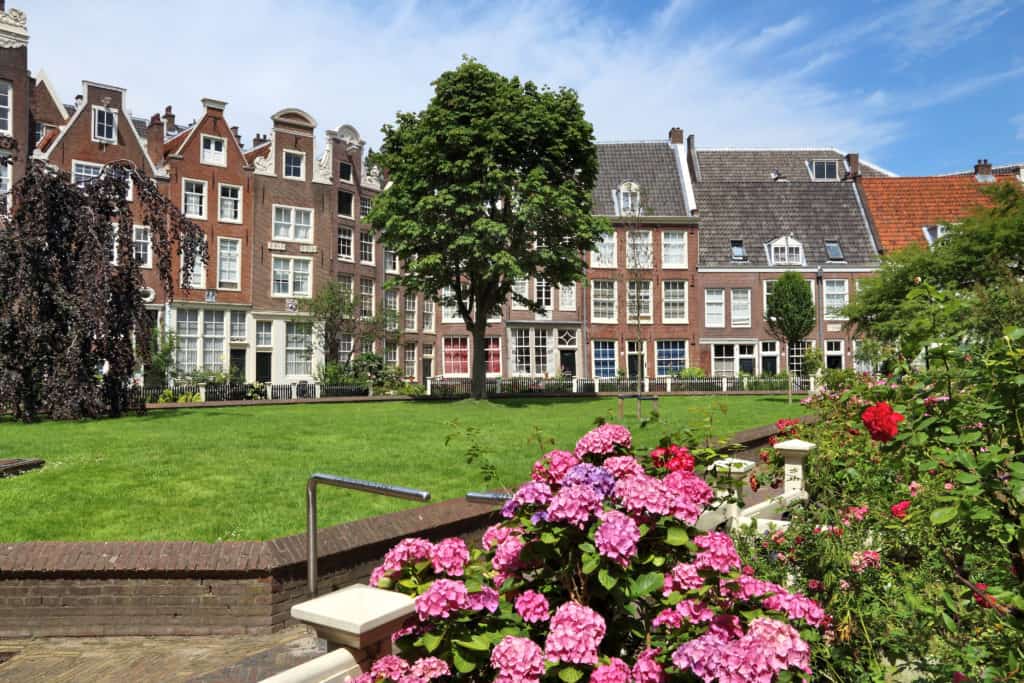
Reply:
x=901, y=207
x=256, y=152
x=171, y=145
x=48, y=139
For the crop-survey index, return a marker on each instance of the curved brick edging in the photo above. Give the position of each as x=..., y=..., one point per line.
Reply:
x=57, y=588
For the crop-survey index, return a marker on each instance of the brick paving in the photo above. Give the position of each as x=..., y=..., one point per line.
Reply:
x=197, y=659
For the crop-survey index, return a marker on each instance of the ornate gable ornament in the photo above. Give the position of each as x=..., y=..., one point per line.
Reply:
x=322, y=170
x=13, y=28
x=264, y=165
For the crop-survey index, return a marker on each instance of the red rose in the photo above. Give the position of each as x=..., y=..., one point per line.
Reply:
x=881, y=421
x=899, y=510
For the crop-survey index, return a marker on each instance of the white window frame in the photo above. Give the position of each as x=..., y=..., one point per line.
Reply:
x=627, y=200
x=148, y=263
x=220, y=199
x=95, y=119
x=182, y=347
x=737, y=319
x=664, y=260
x=762, y=354
x=350, y=257
x=408, y=361
x=238, y=263
x=351, y=172
x=198, y=272
x=636, y=258
x=407, y=324
x=284, y=164
x=657, y=349
x=362, y=297
x=390, y=261
x=615, y=302
x=593, y=358
x=365, y=206
x=242, y=336
x=306, y=349
x=786, y=243
x=373, y=247
x=449, y=312
x=76, y=164
x=707, y=317
x=522, y=288
x=814, y=177
x=933, y=233
x=596, y=261
x=7, y=88
x=291, y=293
x=428, y=314
x=390, y=303
x=205, y=198
x=845, y=294
x=544, y=297
x=267, y=325
x=567, y=297
x=635, y=296
x=501, y=362
x=444, y=355
x=206, y=333
x=841, y=353
x=291, y=224
x=214, y=158
x=684, y=286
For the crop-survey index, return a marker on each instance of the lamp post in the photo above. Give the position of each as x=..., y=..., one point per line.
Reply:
x=820, y=312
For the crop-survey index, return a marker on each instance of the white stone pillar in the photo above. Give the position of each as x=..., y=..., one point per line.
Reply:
x=794, y=454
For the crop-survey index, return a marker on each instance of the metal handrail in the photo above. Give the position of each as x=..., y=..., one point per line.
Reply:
x=344, y=483
x=485, y=497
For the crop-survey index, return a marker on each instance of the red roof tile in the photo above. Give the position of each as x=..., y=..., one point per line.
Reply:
x=257, y=152
x=48, y=139
x=901, y=207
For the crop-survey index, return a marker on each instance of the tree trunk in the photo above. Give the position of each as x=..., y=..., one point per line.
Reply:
x=478, y=360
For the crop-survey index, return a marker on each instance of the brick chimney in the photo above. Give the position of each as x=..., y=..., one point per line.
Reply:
x=168, y=119
x=258, y=140
x=238, y=136
x=853, y=161
x=675, y=136
x=983, y=167
x=155, y=139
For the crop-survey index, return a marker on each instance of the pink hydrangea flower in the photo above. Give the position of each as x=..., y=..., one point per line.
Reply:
x=615, y=671
x=747, y=587
x=553, y=466
x=689, y=485
x=426, y=669
x=506, y=558
x=768, y=647
x=450, y=556
x=442, y=598
x=617, y=536
x=485, y=599
x=646, y=668
x=622, y=466
x=683, y=577
x=533, y=607
x=643, y=494
x=603, y=440
x=797, y=606
x=685, y=612
x=389, y=666
x=406, y=551
x=517, y=660
x=574, y=505
x=719, y=553
x=530, y=493
x=575, y=633
x=497, y=534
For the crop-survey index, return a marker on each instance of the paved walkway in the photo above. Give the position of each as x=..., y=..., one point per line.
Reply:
x=209, y=659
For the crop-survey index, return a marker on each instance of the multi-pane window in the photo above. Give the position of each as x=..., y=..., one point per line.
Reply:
x=365, y=205
x=837, y=296
x=264, y=333
x=741, y=308
x=292, y=223
x=82, y=172
x=409, y=312
x=294, y=165
x=673, y=249
x=723, y=360
x=194, y=198
x=604, y=358
x=141, y=246
x=714, y=308
x=670, y=357
x=391, y=309
x=104, y=125
x=602, y=294
x=345, y=243
x=543, y=296
x=673, y=301
x=291, y=276
x=825, y=169
x=769, y=287
x=428, y=314
x=540, y=350
x=745, y=358
x=638, y=300
x=390, y=353
x=522, y=288
x=345, y=171
x=214, y=151
x=366, y=286
x=365, y=246
x=834, y=354
x=769, y=358
x=238, y=325
x=567, y=297
x=345, y=348
x=390, y=261
x=213, y=340
x=629, y=199
x=456, y=355
x=186, y=333
x=5, y=179
x=492, y=348
x=605, y=256
x=366, y=346
x=797, y=351
x=639, y=249
x=521, y=351
x=409, y=361
x=230, y=203
x=229, y=256
x=5, y=107
x=298, y=349
x=345, y=285
x=786, y=251
x=345, y=204
x=449, y=307
x=198, y=279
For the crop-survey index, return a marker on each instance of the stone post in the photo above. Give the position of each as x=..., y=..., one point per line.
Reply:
x=794, y=454
x=202, y=392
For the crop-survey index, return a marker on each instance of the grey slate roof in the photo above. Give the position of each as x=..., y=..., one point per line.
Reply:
x=757, y=165
x=651, y=165
x=760, y=212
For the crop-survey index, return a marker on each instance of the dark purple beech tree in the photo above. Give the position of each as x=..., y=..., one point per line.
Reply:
x=73, y=326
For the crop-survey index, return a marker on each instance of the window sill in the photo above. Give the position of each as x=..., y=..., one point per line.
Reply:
x=214, y=163
x=221, y=219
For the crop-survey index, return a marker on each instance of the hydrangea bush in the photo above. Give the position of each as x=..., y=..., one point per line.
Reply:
x=597, y=572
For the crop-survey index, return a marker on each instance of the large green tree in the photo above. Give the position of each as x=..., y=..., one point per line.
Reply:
x=334, y=313
x=790, y=314
x=489, y=184
x=71, y=309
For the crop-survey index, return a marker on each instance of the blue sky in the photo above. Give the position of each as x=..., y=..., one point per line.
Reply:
x=918, y=87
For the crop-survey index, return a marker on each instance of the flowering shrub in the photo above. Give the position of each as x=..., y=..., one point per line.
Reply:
x=598, y=571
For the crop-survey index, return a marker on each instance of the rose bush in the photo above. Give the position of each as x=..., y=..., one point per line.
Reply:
x=598, y=572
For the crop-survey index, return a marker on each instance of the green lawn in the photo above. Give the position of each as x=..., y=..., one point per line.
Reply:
x=240, y=473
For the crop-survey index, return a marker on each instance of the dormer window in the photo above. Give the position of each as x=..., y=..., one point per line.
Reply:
x=104, y=125
x=824, y=169
x=833, y=251
x=629, y=199
x=933, y=233
x=294, y=165
x=739, y=252
x=213, y=151
x=786, y=251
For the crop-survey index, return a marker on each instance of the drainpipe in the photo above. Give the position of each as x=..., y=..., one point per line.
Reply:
x=821, y=313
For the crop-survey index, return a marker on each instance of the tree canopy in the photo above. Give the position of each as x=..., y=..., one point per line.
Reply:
x=72, y=321
x=489, y=184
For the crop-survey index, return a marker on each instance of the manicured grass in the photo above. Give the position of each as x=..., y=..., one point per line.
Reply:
x=240, y=473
